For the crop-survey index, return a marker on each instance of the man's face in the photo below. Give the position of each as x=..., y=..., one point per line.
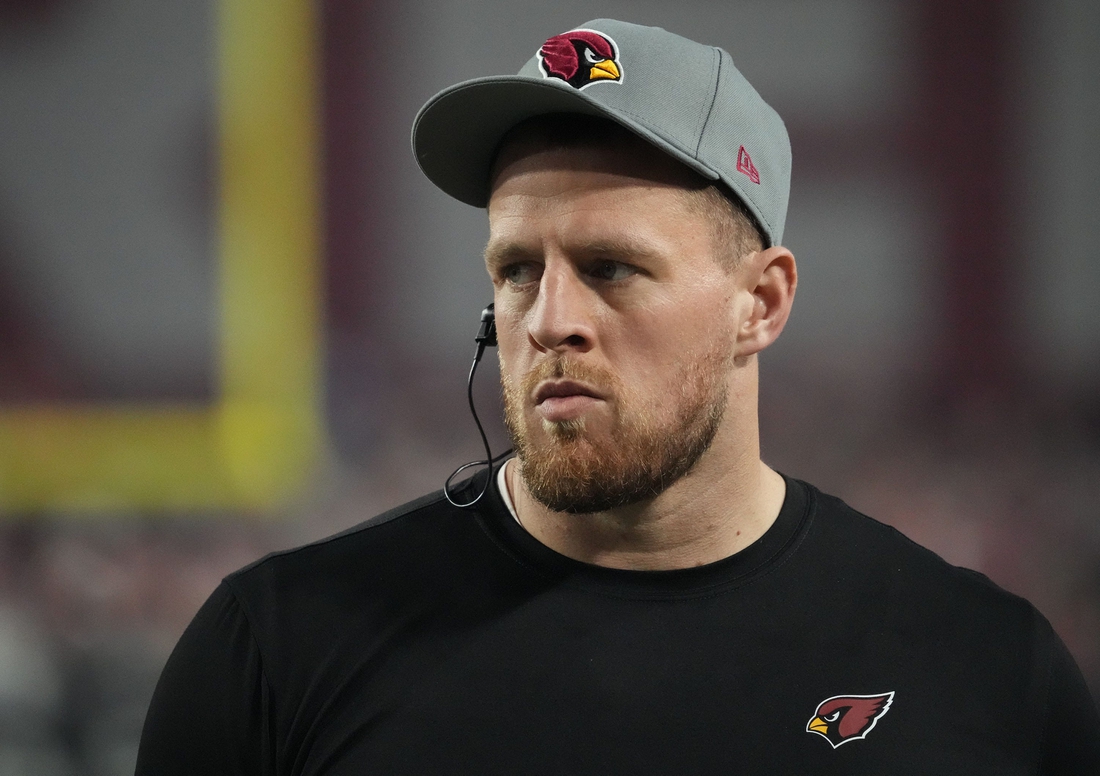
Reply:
x=614, y=319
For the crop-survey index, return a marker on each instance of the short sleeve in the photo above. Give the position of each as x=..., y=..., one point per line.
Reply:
x=1071, y=745
x=210, y=710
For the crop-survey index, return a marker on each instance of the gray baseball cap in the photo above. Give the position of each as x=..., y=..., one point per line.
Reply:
x=686, y=98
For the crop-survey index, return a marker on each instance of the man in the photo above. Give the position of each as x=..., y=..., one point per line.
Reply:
x=635, y=592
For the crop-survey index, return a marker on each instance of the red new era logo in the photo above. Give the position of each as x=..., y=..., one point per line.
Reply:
x=745, y=165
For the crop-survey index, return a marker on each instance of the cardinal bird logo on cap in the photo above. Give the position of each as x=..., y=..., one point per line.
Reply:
x=580, y=58
x=845, y=718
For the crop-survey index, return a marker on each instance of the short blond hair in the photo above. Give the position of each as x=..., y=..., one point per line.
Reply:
x=735, y=230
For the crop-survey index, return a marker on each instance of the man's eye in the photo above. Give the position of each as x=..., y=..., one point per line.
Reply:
x=520, y=274
x=606, y=269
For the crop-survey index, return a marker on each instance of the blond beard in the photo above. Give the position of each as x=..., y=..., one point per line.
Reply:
x=569, y=471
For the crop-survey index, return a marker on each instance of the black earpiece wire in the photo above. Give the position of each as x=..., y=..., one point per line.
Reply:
x=486, y=336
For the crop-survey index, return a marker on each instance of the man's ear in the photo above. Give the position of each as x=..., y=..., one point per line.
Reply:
x=770, y=276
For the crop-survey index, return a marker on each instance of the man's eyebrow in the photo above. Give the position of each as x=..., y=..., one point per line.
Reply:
x=617, y=247
x=499, y=254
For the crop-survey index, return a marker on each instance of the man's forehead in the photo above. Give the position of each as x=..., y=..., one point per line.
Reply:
x=586, y=212
x=585, y=191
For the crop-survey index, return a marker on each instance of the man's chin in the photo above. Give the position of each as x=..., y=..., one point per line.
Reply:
x=578, y=496
x=578, y=469
x=566, y=449
x=569, y=472
x=564, y=430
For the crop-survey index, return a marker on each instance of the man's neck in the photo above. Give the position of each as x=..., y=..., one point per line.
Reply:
x=717, y=509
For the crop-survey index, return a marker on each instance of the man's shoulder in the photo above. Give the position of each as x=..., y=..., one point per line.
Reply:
x=868, y=553
x=380, y=527
x=394, y=553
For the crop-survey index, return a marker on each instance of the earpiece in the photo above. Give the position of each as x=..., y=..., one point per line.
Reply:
x=487, y=331
x=486, y=337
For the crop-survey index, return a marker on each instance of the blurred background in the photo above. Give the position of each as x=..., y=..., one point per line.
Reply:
x=234, y=317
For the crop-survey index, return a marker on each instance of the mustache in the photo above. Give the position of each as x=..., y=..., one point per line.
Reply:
x=562, y=368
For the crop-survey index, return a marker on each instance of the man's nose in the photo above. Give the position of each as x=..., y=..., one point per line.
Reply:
x=560, y=320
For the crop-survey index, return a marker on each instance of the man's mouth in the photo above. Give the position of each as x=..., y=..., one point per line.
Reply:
x=556, y=389
x=559, y=400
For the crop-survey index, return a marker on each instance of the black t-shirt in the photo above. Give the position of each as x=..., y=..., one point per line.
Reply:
x=437, y=640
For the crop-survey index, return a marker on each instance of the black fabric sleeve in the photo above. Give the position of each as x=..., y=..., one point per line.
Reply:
x=209, y=713
x=1071, y=745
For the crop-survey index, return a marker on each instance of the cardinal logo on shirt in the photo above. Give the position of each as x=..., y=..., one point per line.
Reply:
x=580, y=58
x=845, y=718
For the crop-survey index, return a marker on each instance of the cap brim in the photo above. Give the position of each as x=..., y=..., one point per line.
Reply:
x=456, y=134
